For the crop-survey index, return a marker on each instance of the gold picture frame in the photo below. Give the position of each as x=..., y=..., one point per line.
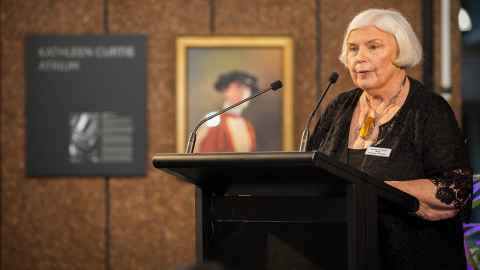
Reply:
x=201, y=59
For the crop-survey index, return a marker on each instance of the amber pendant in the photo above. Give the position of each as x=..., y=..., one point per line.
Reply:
x=367, y=127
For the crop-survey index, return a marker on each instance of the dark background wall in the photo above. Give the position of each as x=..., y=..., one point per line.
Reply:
x=148, y=223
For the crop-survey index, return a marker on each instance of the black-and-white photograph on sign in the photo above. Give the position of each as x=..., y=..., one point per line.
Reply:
x=86, y=105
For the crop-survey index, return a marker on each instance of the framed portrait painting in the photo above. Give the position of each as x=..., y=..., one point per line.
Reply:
x=214, y=72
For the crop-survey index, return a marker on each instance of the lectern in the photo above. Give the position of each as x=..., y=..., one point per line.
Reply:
x=284, y=210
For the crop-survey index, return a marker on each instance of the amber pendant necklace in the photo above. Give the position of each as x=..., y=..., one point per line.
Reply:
x=367, y=127
x=369, y=122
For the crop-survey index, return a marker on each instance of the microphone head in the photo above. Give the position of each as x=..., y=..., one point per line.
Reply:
x=333, y=77
x=276, y=85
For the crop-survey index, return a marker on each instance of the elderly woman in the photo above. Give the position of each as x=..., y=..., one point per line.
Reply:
x=394, y=129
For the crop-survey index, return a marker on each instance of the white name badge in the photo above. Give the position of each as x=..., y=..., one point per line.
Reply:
x=378, y=151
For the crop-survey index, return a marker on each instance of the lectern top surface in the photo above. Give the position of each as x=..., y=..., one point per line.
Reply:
x=273, y=168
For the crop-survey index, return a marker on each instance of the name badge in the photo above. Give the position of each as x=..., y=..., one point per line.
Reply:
x=378, y=151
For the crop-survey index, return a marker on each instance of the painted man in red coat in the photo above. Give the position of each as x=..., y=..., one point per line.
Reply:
x=230, y=132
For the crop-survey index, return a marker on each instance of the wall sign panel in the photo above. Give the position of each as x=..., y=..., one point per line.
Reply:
x=86, y=103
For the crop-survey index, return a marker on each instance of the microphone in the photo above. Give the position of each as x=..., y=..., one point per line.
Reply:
x=193, y=135
x=306, y=132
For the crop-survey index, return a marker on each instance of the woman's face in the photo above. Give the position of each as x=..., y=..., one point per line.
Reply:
x=370, y=56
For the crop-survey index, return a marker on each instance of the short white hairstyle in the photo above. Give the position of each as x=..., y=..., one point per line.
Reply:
x=390, y=21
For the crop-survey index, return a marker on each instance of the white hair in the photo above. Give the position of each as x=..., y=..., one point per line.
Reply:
x=390, y=21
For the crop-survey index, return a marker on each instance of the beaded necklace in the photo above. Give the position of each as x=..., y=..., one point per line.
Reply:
x=370, y=122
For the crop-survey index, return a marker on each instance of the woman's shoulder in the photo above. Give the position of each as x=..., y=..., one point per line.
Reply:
x=432, y=110
x=427, y=99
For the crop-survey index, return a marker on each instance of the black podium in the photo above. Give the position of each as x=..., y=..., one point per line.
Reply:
x=284, y=210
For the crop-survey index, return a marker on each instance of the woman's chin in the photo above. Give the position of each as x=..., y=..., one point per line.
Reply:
x=365, y=84
x=367, y=81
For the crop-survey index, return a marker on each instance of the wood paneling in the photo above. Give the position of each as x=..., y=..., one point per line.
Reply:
x=47, y=223
x=153, y=218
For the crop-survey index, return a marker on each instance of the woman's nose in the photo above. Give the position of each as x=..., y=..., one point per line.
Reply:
x=362, y=54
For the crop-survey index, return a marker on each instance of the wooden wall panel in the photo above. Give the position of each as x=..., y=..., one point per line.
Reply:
x=47, y=223
x=153, y=218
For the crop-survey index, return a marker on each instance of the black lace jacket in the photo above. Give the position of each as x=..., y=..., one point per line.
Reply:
x=426, y=143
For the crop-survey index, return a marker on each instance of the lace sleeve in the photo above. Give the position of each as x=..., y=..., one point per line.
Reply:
x=454, y=187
